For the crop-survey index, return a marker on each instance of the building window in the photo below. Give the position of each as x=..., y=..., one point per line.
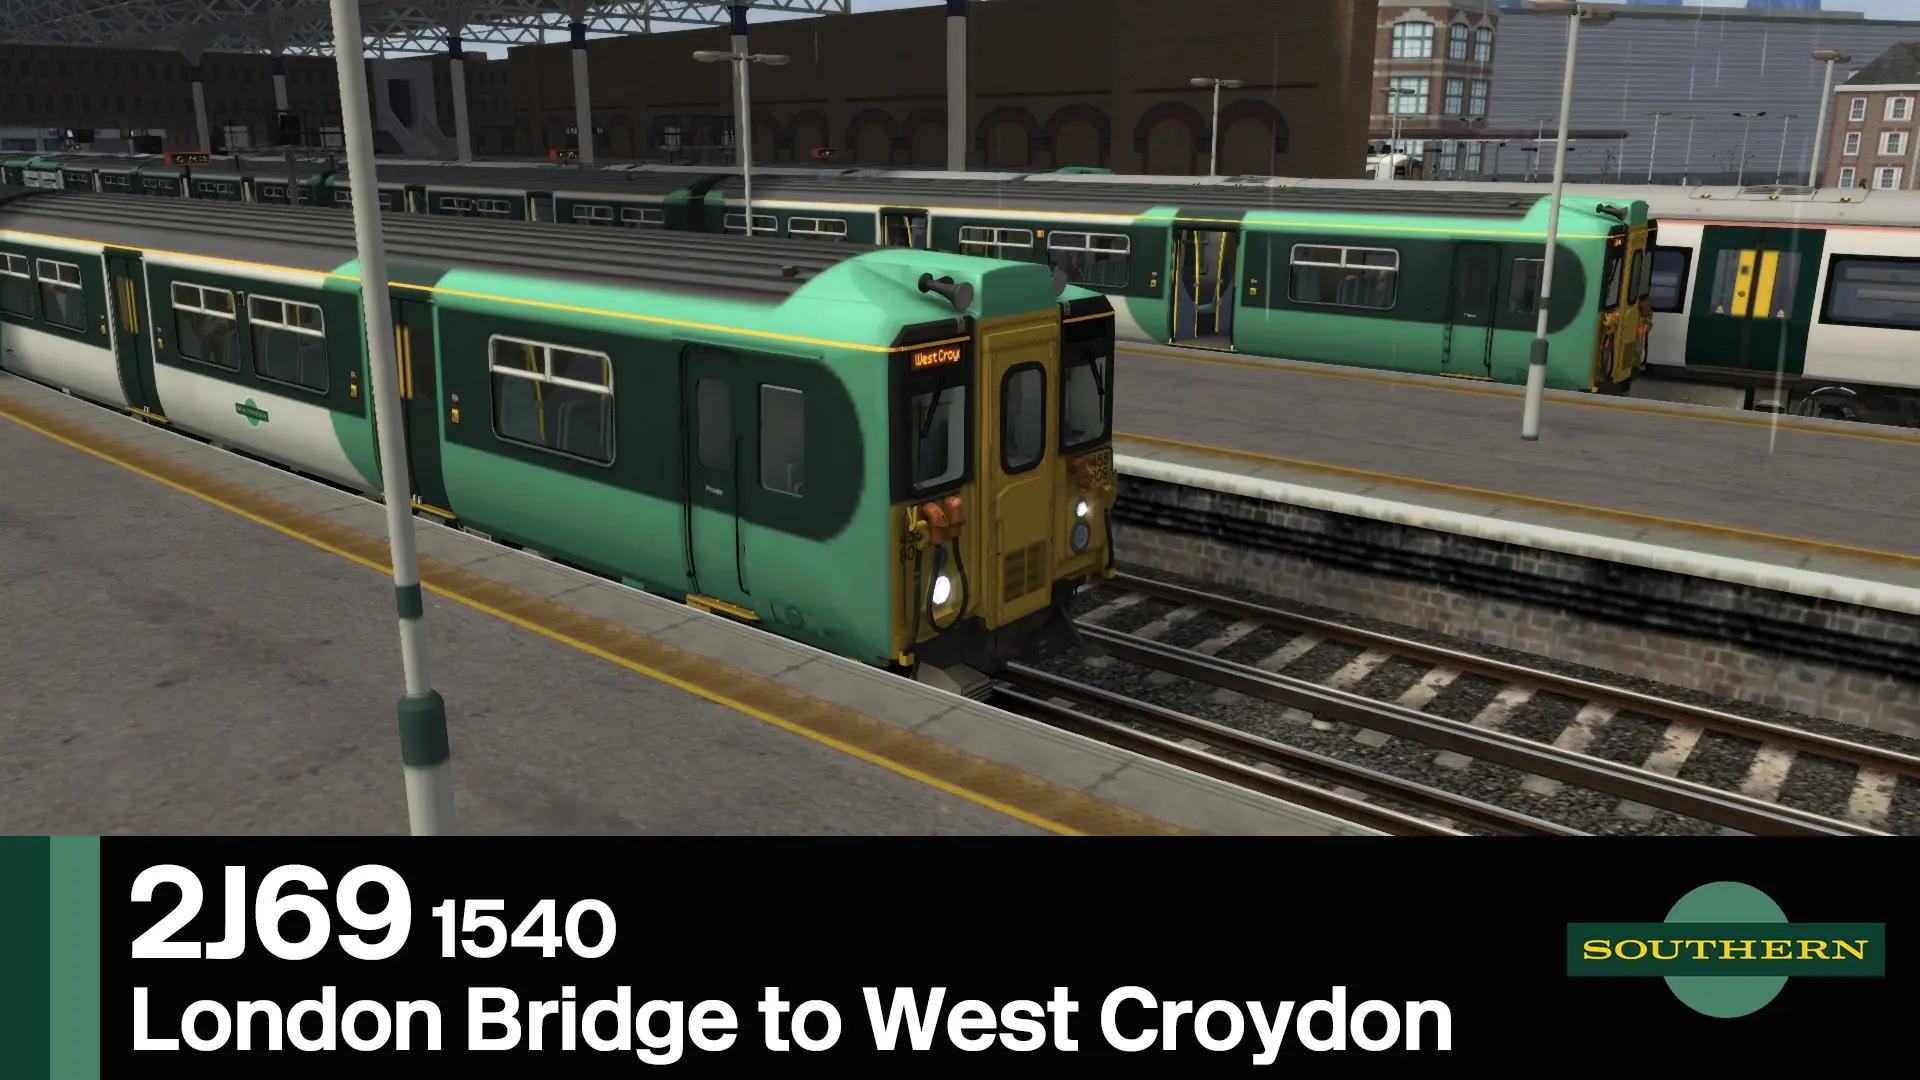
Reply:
x=1887, y=177
x=1857, y=112
x=1456, y=96
x=1477, y=100
x=1449, y=158
x=1457, y=42
x=1473, y=159
x=1852, y=147
x=1899, y=108
x=1846, y=177
x=1407, y=95
x=1483, y=45
x=1893, y=142
x=1413, y=41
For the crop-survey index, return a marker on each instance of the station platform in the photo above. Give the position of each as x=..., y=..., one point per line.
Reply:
x=1816, y=507
x=200, y=643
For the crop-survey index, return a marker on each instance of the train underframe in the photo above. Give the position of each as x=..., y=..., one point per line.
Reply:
x=965, y=658
x=1798, y=395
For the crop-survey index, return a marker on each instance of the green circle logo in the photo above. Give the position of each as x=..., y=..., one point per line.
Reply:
x=1726, y=996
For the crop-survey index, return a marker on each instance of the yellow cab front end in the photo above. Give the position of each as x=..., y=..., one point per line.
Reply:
x=1626, y=306
x=1004, y=481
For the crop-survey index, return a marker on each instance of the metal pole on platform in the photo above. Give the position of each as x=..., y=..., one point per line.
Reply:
x=424, y=749
x=1831, y=58
x=1537, y=361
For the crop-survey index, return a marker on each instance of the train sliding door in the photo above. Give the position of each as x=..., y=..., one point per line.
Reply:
x=420, y=402
x=1473, y=294
x=1206, y=263
x=1753, y=298
x=132, y=343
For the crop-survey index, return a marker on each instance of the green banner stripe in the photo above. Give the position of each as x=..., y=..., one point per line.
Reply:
x=23, y=956
x=73, y=950
x=1727, y=949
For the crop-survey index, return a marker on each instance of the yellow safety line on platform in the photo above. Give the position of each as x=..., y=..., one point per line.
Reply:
x=1307, y=367
x=1798, y=543
x=1015, y=794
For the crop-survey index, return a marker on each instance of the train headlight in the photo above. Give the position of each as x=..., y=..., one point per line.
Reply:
x=942, y=590
x=1081, y=536
x=1080, y=509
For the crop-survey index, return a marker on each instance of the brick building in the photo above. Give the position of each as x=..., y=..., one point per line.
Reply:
x=1871, y=128
x=1050, y=83
x=1433, y=80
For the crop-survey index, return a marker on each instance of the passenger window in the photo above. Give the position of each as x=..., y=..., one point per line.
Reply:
x=714, y=402
x=1875, y=292
x=643, y=217
x=1667, y=282
x=553, y=398
x=783, y=440
x=1344, y=277
x=61, y=299
x=289, y=342
x=1023, y=418
x=1091, y=258
x=995, y=243
x=16, y=286
x=813, y=228
x=204, y=325
x=1523, y=296
x=593, y=215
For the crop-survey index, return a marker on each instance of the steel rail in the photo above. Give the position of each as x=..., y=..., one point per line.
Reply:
x=1357, y=777
x=1623, y=700
x=1581, y=770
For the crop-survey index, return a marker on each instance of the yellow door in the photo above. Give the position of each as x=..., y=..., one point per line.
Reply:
x=1020, y=476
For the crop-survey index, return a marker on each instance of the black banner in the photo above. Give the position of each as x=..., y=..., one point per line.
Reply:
x=707, y=955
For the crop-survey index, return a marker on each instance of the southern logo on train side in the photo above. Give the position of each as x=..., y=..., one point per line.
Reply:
x=255, y=414
x=937, y=357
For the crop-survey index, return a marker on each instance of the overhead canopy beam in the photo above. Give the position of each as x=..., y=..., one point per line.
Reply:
x=304, y=27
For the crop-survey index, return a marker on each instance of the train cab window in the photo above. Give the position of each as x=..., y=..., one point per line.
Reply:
x=783, y=440
x=813, y=228
x=1755, y=284
x=205, y=325
x=1874, y=292
x=16, y=286
x=1667, y=280
x=643, y=217
x=62, y=302
x=736, y=224
x=937, y=419
x=289, y=342
x=1344, y=277
x=1610, y=278
x=1098, y=259
x=713, y=399
x=553, y=398
x=1083, y=400
x=994, y=243
x=1023, y=418
x=593, y=215
x=1637, y=278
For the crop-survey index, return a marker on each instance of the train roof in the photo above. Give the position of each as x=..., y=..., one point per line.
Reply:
x=322, y=240
x=1765, y=203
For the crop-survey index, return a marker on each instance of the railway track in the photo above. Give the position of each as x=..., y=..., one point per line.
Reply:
x=1431, y=740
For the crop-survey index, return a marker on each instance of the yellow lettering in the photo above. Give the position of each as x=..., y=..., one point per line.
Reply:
x=1699, y=947
x=1859, y=952
x=1746, y=949
x=1785, y=952
x=1596, y=950
x=1674, y=955
x=1813, y=950
x=1640, y=950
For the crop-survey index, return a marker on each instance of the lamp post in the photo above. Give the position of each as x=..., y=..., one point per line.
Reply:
x=1467, y=122
x=1740, y=178
x=1213, y=137
x=1537, y=361
x=1394, y=94
x=1655, y=148
x=1780, y=166
x=1826, y=102
x=1686, y=170
x=743, y=104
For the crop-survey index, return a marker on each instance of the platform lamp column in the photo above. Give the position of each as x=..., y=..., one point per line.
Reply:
x=956, y=85
x=1654, y=149
x=1686, y=169
x=1831, y=57
x=457, y=75
x=1213, y=132
x=1740, y=178
x=743, y=126
x=1537, y=361
x=1780, y=166
x=197, y=80
x=424, y=748
x=278, y=65
x=582, y=102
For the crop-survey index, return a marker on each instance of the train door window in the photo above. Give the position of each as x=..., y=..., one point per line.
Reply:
x=1874, y=292
x=289, y=342
x=1344, y=277
x=1023, y=418
x=1084, y=400
x=1099, y=259
x=204, y=325
x=1667, y=280
x=643, y=217
x=996, y=243
x=714, y=401
x=762, y=224
x=16, y=286
x=592, y=215
x=553, y=398
x=61, y=299
x=813, y=228
x=1756, y=284
x=783, y=440
x=904, y=230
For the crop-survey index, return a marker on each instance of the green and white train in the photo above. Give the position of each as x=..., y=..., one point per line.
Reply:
x=902, y=457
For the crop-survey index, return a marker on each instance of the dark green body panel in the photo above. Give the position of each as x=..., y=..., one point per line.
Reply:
x=1718, y=339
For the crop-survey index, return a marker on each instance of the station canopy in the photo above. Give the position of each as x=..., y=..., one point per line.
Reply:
x=305, y=27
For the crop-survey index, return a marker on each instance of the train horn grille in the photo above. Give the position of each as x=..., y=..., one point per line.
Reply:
x=1023, y=572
